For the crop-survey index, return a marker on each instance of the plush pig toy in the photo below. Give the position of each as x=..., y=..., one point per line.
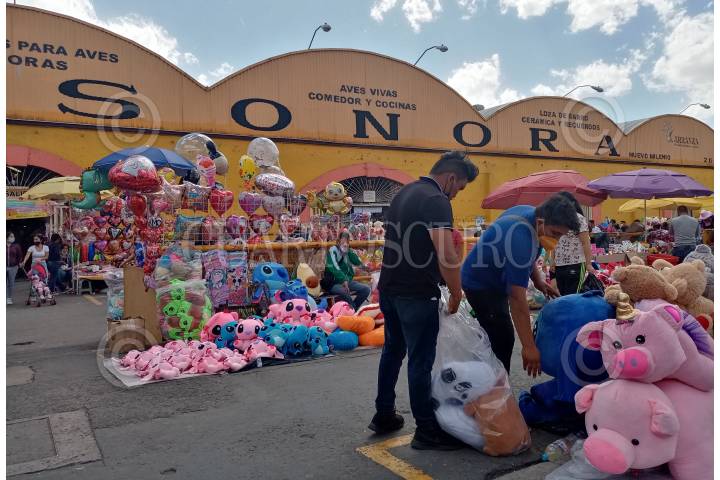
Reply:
x=642, y=425
x=653, y=346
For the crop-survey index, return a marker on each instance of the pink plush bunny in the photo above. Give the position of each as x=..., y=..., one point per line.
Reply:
x=211, y=330
x=655, y=345
x=247, y=331
x=642, y=425
x=341, y=309
x=322, y=318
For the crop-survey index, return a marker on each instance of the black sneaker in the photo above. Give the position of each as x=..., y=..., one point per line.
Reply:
x=435, y=439
x=386, y=423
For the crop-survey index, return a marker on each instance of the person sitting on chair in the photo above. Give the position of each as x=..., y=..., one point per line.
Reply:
x=339, y=269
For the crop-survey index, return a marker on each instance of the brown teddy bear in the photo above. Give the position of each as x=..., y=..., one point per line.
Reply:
x=640, y=282
x=690, y=281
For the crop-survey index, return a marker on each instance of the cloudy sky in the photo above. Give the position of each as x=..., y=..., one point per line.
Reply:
x=650, y=56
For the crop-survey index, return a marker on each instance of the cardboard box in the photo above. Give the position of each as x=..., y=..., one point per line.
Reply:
x=125, y=335
x=611, y=258
x=140, y=303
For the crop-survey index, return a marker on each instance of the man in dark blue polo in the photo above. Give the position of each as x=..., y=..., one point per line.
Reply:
x=419, y=254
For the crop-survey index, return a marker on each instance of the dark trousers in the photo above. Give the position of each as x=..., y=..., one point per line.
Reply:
x=411, y=325
x=682, y=251
x=54, y=280
x=492, y=310
x=568, y=278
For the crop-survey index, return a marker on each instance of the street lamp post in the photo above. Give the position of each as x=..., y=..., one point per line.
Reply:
x=440, y=47
x=703, y=105
x=325, y=28
x=594, y=87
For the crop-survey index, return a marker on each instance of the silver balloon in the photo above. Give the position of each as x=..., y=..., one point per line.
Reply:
x=192, y=145
x=264, y=152
x=274, y=185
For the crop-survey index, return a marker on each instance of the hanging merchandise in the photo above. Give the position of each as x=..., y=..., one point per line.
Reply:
x=183, y=309
x=236, y=228
x=247, y=171
x=174, y=194
x=265, y=154
x=115, y=293
x=250, y=201
x=237, y=278
x=275, y=185
x=192, y=145
x=196, y=197
x=136, y=174
x=215, y=265
x=207, y=170
x=221, y=163
x=221, y=200
x=273, y=205
x=260, y=225
x=184, y=226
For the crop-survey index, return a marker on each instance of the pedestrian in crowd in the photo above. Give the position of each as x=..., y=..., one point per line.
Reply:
x=572, y=253
x=65, y=270
x=634, y=231
x=419, y=254
x=13, y=255
x=53, y=262
x=38, y=251
x=686, y=233
x=497, y=271
x=339, y=271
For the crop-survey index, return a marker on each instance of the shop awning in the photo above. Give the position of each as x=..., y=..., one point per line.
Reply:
x=659, y=203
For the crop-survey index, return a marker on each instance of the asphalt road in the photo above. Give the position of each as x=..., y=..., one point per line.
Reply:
x=303, y=420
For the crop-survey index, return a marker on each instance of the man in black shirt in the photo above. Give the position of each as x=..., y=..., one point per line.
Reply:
x=419, y=254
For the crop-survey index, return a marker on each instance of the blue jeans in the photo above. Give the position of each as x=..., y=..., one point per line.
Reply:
x=411, y=325
x=54, y=271
x=682, y=251
x=361, y=291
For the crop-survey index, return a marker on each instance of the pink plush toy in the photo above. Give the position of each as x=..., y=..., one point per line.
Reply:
x=211, y=330
x=341, y=309
x=641, y=425
x=259, y=349
x=655, y=345
x=322, y=318
x=247, y=331
x=294, y=312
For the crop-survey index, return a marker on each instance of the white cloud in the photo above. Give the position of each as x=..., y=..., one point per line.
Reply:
x=135, y=27
x=479, y=82
x=416, y=12
x=686, y=63
x=527, y=8
x=213, y=76
x=614, y=78
x=470, y=7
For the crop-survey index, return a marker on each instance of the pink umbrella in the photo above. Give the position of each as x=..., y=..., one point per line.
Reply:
x=537, y=187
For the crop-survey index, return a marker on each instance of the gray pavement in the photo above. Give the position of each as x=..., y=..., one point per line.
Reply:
x=303, y=420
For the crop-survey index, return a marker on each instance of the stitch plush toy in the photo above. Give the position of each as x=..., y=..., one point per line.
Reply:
x=271, y=275
x=212, y=329
x=643, y=425
x=247, y=331
x=317, y=341
x=295, y=312
x=297, y=340
x=322, y=318
x=228, y=335
x=340, y=309
x=689, y=280
x=653, y=346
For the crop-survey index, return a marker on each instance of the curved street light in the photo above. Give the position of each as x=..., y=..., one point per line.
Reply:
x=440, y=47
x=703, y=105
x=594, y=87
x=325, y=28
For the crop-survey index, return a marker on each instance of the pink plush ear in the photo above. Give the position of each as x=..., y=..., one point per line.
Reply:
x=663, y=421
x=234, y=315
x=670, y=313
x=590, y=335
x=584, y=397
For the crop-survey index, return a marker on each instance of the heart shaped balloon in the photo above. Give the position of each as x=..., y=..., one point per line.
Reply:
x=151, y=235
x=173, y=193
x=115, y=220
x=296, y=204
x=101, y=233
x=289, y=224
x=100, y=245
x=261, y=224
x=235, y=226
x=274, y=184
x=127, y=216
x=250, y=201
x=221, y=200
x=113, y=247
x=160, y=205
x=137, y=204
x=273, y=205
x=113, y=206
x=80, y=232
x=100, y=221
x=114, y=232
x=129, y=232
x=196, y=197
x=154, y=222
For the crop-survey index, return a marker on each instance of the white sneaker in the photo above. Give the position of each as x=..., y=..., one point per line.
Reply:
x=9, y=301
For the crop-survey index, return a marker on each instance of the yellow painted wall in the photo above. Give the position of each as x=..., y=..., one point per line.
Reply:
x=303, y=163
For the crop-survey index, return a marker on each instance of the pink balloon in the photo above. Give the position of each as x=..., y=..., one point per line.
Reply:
x=250, y=201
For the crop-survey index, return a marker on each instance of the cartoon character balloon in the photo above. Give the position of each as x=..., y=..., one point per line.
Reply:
x=192, y=145
x=337, y=199
x=221, y=163
x=247, y=170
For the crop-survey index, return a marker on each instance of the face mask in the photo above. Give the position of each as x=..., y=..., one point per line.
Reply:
x=344, y=248
x=11, y=239
x=547, y=242
x=37, y=242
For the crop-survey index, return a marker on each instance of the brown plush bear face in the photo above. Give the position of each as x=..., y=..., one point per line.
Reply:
x=641, y=282
x=689, y=278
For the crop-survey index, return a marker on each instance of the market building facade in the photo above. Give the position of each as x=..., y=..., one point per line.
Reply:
x=76, y=92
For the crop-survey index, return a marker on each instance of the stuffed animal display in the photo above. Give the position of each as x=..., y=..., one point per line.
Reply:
x=689, y=280
x=704, y=253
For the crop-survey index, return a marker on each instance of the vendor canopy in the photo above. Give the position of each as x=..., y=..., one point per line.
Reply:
x=160, y=157
x=537, y=187
x=58, y=188
x=658, y=203
x=649, y=183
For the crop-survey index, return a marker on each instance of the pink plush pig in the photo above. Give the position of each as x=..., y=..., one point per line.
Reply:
x=211, y=330
x=655, y=345
x=642, y=425
x=247, y=331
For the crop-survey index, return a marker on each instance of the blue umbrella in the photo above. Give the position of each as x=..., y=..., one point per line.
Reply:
x=159, y=156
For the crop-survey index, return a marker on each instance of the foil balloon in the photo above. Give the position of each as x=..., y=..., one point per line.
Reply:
x=273, y=205
x=236, y=227
x=136, y=174
x=113, y=206
x=100, y=221
x=275, y=185
x=173, y=193
x=207, y=170
x=289, y=224
x=221, y=163
x=212, y=229
x=115, y=221
x=101, y=233
x=169, y=174
x=247, y=169
x=113, y=247
x=80, y=232
x=114, y=232
x=264, y=152
x=221, y=200
x=296, y=204
x=137, y=204
x=261, y=224
x=192, y=145
x=100, y=245
x=127, y=216
x=196, y=197
x=250, y=201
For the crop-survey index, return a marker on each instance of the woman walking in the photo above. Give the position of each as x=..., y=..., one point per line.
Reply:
x=13, y=254
x=572, y=256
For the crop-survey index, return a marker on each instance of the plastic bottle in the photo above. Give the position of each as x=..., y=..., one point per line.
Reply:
x=559, y=448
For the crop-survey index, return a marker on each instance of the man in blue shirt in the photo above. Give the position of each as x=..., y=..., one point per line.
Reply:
x=496, y=273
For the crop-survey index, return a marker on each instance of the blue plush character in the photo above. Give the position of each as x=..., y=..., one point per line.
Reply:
x=278, y=338
x=271, y=275
x=295, y=289
x=297, y=340
x=552, y=404
x=318, y=341
x=227, y=336
x=342, y=340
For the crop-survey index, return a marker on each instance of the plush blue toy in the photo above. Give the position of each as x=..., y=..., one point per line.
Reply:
x=271, y=275
x=342, y=340
x=228, y=335
x=552, y=404
x=318, y=341
x=278, y=338
x=297, y=340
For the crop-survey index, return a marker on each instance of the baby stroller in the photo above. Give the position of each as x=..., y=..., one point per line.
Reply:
x=39, y=291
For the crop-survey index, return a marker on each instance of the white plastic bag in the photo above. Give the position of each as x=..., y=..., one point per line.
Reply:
x=471, y=389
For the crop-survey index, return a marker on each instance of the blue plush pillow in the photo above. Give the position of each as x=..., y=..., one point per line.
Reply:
x=342, y=340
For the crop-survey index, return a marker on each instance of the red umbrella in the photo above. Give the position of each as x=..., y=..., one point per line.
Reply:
x=537, y=187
